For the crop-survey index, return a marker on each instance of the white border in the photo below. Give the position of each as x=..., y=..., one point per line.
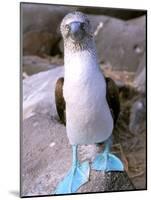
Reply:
x=9, y=100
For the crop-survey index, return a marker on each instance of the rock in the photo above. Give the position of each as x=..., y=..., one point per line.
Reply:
x=39, y=43
x=42, y=17
x=138, y=110
x=40, y=28
x=138, y=116
x=124, y=14
x=122, y=44
x=107, y=182
x=140, y=81
x=39, y=89
x=35, y=64
x=119, y=43
x=140, y=77
x=46, y=152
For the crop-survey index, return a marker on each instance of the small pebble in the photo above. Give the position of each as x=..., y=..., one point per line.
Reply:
x=35, y=124
x=52, y=144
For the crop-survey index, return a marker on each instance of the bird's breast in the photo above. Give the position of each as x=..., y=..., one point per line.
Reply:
x=83, y=79
x=84, y=91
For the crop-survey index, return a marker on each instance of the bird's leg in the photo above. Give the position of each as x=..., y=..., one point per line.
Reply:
x=106, y=161
x=76, y=177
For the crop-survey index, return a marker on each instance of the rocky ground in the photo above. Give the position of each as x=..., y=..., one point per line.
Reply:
x=45, y=151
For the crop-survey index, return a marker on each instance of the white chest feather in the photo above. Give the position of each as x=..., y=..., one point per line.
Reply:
x=88, y=116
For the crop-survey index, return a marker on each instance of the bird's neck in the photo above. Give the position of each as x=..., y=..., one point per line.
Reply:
x=81, y=64
x=74, y=47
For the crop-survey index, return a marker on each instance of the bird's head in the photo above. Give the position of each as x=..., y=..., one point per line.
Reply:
x=75, y=28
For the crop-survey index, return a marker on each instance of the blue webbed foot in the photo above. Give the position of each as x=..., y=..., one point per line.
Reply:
x=107, y=162
x=77, y=176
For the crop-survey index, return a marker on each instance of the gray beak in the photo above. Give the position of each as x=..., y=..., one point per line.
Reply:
x=76, y=30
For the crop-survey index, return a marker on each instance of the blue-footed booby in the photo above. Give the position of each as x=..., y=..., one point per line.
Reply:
x=87, y=102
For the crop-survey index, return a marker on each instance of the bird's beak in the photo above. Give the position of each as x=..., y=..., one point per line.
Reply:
x=76, y=31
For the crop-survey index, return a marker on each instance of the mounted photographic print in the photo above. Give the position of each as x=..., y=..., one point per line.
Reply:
x=83, y=99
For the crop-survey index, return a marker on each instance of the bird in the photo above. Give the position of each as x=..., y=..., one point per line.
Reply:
x=87, y=102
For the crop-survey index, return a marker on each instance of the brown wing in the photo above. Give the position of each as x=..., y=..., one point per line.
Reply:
x=112, y=96
x=60, y=102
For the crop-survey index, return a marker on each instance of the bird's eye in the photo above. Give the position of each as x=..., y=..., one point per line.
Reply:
x=88, y=22
x=82, y=25
x=67, y=27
